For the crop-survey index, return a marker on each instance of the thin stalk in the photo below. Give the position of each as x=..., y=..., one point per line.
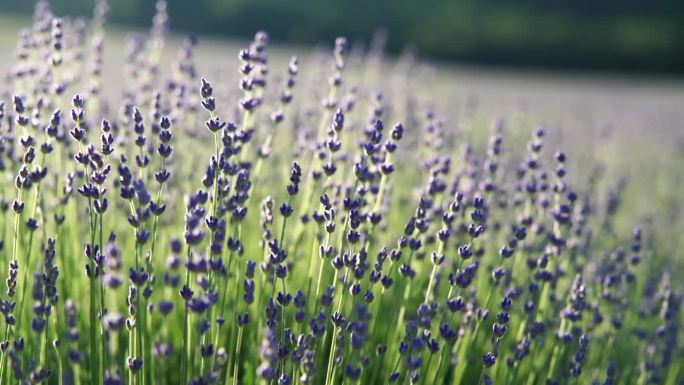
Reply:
x=435, y=266
x=236, y=365
x=105, y=363
x=185, y=346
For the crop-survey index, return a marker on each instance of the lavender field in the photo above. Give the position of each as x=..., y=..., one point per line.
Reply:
x=181, y=210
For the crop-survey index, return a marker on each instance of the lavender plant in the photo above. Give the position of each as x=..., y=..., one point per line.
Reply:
x=313, y=225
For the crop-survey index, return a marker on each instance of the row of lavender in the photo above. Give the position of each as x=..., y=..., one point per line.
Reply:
x=296, y=229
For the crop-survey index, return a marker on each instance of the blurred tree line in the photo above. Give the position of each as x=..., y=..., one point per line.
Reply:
x=625, y=35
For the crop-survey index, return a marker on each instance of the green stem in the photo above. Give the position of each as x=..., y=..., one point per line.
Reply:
x=236, y=365
x=185, y=346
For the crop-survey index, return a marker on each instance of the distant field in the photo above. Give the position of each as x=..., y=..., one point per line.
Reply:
x=630, y=124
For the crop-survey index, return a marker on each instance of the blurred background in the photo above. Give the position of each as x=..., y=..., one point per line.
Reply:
x=624, y=36
x=606, y=78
